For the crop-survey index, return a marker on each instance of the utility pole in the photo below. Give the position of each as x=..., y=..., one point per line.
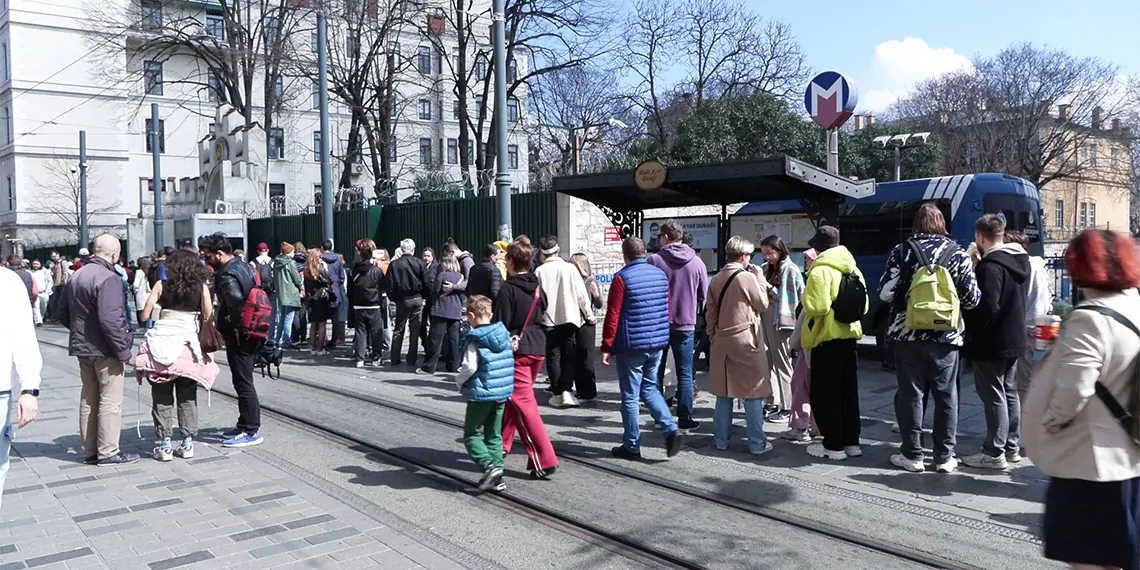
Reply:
x=502, y=176
x=833, y=151
x=155, y=143
x=84, y=240
x=326, y=144
x=898, y=163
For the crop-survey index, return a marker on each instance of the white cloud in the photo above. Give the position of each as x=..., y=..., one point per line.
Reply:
x=898, y=65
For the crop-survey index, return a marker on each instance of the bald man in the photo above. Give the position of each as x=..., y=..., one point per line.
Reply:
x=95, y=311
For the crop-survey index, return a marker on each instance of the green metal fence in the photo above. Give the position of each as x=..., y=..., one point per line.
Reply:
x=472, y=222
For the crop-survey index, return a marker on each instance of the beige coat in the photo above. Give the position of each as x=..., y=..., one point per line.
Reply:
x=1068, y=431
x=738, y=360
x=568, y=302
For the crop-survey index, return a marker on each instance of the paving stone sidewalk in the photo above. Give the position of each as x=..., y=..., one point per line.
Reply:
x=221, y=509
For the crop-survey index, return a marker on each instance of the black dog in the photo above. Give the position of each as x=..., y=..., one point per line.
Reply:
x=269, y=361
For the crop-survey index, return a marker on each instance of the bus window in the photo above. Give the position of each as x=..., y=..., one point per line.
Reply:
x=875, y=229
x=1020, y=214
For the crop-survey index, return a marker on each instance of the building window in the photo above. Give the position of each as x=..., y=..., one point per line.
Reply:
x=394, y=112
x=423, y=60
x=1092, y=214
x=393, y=149
x=212, y=128
x=272, y=27
x=152, y=77
x=161, y=135
x=425, y=109
x=479, y=108
x=350, y=48
x=151, y=15
x=513, y=110
x=317, y=146
x=4, y=62
x=1088, y=154
x=277, y=143
x=279, y=88
x=216, y=91
x=1084, y=219
x=1114, y=160
x=11, y=195
x=356, y=144
x=1059, y=214
x=455, y=110
x=470, y=152
x=315, y=46
x=7, y=118
x=513, y=156
x=452, y=151
x=215, y=25
x=480, y=67
x=316, y=96
x=425, y=151
x=276, y=199
x=318, y=194
x=512, y=70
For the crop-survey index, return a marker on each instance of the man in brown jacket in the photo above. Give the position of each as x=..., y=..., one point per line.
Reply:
x=95, y=311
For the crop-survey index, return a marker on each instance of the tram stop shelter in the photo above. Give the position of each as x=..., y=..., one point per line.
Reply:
x=623, y=196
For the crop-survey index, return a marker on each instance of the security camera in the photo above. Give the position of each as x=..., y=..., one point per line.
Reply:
x=898, y=140
x=880, y=142
x=918, y=139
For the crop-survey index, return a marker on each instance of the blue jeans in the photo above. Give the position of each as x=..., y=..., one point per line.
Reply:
x=7, y=434
x=637, y=377
x=753, y=416
x=681, y=345
x=283, y=331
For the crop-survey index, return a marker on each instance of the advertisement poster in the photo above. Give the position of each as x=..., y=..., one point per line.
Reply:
x=794, y=229
x=703, y=229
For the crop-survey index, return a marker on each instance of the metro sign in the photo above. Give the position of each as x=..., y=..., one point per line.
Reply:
x=830, y=99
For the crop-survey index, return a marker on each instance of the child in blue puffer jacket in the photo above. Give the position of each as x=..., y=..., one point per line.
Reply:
x=486, y=379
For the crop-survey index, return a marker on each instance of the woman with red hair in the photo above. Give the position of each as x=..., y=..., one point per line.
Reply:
x=1092, y=507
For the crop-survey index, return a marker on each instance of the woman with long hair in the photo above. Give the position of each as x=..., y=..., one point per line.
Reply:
x=448, y=296
x=585, y=380
x=519, y=307
x=1075, y=418
x=171, y=358
x=318, y=296
x=785, y=286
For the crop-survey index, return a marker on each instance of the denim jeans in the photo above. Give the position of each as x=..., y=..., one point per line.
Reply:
x=283, y=329
x=7, y=434
x=996, y=384
x=681, y=345
x=927, y=367
x=753, y=416
x=637, y=378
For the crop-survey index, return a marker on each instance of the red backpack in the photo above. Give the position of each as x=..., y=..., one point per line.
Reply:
x=257, y=313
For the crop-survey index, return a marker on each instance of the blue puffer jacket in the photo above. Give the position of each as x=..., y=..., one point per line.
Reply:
x=494, y=380
x=644, y=320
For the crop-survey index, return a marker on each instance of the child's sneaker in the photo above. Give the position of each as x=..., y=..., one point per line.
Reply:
x=164, y=452
x=186, y=449
x=492, y=479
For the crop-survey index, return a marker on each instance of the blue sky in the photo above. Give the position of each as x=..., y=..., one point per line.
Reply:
x=887, y=45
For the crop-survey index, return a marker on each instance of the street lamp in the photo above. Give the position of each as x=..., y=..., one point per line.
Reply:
x=896, y=144
x=575, y=151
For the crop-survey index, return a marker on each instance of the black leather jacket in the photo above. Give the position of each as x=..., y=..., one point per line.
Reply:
x=232, y=284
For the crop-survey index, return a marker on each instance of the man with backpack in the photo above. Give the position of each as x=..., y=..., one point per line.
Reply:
x=834, y=301
x=263, y=266
x=995, y=339
x=241, y=304
x=927, y=282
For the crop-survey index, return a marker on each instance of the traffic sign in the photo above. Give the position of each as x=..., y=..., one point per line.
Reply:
x=830, y=99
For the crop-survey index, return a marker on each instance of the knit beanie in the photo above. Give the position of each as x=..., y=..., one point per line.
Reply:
x=287, y=248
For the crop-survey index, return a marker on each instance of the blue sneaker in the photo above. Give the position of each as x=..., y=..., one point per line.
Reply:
x=244, y=440
x=232, y=433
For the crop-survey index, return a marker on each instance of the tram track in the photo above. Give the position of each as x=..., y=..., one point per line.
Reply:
x=631, y=549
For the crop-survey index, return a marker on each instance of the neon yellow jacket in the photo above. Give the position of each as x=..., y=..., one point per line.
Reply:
x=822, y=289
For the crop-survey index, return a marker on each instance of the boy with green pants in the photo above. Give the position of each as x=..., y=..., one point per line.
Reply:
x=486, y=379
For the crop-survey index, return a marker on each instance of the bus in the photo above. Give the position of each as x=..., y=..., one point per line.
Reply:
x=871, y=227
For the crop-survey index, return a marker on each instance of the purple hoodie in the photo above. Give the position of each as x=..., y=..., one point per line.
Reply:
x=688, y=283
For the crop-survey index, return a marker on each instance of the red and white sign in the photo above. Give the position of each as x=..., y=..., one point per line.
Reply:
x=612, y=235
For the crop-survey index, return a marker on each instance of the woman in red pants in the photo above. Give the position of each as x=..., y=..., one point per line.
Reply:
x=519, y=307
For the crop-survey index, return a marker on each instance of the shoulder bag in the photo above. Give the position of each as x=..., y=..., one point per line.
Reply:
x=526, y=323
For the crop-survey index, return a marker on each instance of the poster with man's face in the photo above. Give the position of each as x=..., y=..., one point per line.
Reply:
x=653, y=237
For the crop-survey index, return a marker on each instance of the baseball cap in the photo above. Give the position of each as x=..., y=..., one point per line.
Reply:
x=83, y=251
x=826, y=237
x=262, y=246
x=502, y=245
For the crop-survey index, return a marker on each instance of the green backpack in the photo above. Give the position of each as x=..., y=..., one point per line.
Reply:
x=932, y=300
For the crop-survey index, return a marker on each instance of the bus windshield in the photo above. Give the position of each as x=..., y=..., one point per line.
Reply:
x=1020, y=214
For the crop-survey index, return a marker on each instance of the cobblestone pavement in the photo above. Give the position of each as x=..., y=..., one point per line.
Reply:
x=221, y=509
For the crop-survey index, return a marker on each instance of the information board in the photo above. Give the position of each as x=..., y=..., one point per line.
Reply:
x=794, y=229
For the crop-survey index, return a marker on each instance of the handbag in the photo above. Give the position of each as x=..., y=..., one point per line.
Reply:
x=526, y=323
x=208, y=336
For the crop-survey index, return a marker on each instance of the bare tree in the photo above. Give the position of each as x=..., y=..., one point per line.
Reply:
x=239, y=48
x=59, y=199
x=1033, y=112
x=650, y=45
x=578, y=109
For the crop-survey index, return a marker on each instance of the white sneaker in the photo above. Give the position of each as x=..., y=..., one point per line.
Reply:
x=164, y=452
x=563, y=400
x=853, y=451
x=948, y=467
x=1013, y=456
x=818, y=450
x=360, y=364
x=569, y=400
x=766, y=449
x=983, y=461
x=912, y=465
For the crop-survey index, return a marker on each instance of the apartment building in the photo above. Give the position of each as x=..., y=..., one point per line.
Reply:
x=65, y=69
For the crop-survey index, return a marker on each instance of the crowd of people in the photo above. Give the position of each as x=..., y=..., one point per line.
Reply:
x=781, y=342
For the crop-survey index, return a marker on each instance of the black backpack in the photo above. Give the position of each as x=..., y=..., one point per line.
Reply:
x=851, y=303
x=265, y=272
